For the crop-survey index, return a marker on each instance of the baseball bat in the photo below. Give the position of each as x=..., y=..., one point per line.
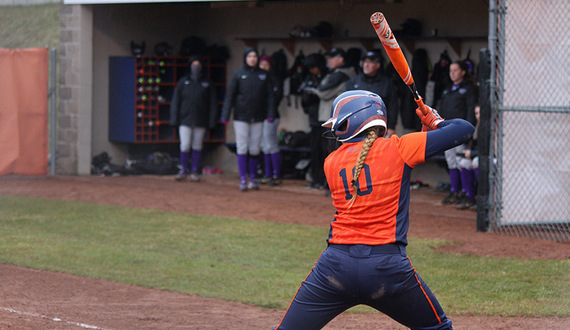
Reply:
x=395, y=54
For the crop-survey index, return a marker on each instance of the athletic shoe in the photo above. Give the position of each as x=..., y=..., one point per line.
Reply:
x=194, y=177
x=466, y=203
x=462, y=197
x=266, y=180
x=252, y=185
x=243, y=186
x=181, y=176
x=452, y=198
x=274, y=181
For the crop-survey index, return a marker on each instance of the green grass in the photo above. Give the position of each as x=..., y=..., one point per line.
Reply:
x=259, y=263
x=29, y=26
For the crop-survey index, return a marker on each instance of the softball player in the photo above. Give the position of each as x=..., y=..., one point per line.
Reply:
x=369, y=177
x=250, y=93
x=193, y=110
x=458, y=101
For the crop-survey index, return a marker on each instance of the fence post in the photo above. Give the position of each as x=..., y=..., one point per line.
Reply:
x=483, y=140
x=52, y=110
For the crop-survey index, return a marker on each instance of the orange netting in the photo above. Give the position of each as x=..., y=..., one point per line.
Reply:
x=23, y=111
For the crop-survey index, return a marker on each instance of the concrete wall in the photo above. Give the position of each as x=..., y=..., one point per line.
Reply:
x=114, y=26
x=74, y=138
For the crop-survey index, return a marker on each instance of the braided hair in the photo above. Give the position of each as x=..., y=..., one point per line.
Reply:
x=371, y=135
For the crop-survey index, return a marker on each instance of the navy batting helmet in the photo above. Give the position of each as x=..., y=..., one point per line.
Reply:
x=355, y=111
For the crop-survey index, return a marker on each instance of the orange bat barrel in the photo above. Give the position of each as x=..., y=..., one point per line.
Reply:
x=392, y=47
x=396, y=55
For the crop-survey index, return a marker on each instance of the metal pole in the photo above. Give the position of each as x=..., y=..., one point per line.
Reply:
x=493, y=18
x=53, y=114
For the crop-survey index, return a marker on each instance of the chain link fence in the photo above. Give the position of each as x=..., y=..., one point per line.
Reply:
x=529, y=146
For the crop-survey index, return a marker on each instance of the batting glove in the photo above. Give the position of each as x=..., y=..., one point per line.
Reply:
x=429, y=118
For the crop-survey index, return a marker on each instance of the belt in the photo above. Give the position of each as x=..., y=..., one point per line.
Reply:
x=374, y=249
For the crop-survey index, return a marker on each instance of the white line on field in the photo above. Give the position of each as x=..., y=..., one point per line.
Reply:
x=55, y=319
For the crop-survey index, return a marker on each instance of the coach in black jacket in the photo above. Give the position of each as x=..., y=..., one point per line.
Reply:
x=372, y=79
x=193, y=110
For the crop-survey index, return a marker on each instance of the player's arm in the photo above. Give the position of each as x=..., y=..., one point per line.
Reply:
x=331, y=92
x=449, y=133
x=174, y=104
x=229, y=98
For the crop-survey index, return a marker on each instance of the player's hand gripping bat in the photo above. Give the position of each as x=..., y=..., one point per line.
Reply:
x=428, y=116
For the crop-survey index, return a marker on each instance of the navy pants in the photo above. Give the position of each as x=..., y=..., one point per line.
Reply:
x=381, y=277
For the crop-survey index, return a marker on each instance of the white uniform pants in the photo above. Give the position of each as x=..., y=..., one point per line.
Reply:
x=191, y=137
x=248, y=137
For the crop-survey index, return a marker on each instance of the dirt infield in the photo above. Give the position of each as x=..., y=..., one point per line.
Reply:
x=35, y=299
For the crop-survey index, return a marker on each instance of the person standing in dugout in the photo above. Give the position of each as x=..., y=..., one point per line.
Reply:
x=193, y=110
x=250, y=94
x=269, y=144
x=331, y=86
x=373, y=79
x=458, y=101
x=316, y=65
x=369, y=178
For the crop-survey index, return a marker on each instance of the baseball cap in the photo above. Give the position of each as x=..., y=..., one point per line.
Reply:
x=336, y=52
x=314, y=60
x=373, y=55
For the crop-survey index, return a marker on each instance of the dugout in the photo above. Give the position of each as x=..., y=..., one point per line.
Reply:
x=94, y=31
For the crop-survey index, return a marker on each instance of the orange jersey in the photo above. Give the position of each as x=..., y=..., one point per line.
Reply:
x=380, y=213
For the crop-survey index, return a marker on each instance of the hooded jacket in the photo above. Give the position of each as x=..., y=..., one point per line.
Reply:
x=249, y=93
x=194, y=102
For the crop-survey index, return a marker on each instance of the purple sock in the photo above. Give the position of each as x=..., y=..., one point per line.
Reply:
x=468, y=182
x=268, y=165
x=253, y=163
x=276, y=162
x=455, y=180
x=242, y=167
x=196, y=156
x=184, y=157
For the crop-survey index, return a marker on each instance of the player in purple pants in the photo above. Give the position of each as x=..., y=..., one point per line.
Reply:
x=250, y=94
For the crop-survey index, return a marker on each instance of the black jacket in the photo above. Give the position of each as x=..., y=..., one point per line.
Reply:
x=277, y=88
x=379, y=84
x=310, y=101
x=459, y=103
x=250, y=94
x=194, y=103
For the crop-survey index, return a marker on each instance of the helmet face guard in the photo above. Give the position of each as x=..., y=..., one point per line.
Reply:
x=353, y=112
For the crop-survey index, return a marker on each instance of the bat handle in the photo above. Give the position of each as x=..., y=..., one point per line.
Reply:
x=421, y=105
x=418, y=98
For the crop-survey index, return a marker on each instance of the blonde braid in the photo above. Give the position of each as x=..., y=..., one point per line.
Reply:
x=370, y=138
